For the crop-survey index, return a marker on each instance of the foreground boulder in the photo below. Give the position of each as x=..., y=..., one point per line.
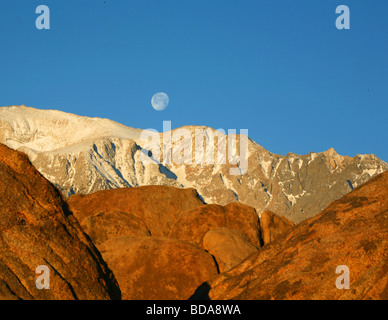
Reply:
x=157, y=206
x=302, y=264
x=192, y=225
x=163, y=242
x=36, y=228
x=106, y=226
x=228, y=246
x=157, y=268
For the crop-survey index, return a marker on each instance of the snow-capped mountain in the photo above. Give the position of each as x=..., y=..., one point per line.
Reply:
x=82, y=155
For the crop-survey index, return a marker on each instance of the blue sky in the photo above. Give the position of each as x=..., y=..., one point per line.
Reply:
x=280, y=69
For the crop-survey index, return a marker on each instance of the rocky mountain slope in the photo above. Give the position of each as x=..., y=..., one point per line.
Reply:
x=302, y=263
x=37, y=228
x=82, y=155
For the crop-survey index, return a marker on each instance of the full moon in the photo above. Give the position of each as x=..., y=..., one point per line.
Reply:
x=160, y=101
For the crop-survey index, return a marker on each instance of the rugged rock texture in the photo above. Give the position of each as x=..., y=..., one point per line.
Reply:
x=157, y=207
x=272, y=226
x=193, y=225
x=157, y=268
x=82, y=155
x=228, y=246
x=36, y=228
x=301, y=264
x=104, y=226
x=162, y=242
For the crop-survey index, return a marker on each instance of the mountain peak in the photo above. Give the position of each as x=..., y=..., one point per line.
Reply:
x=331, y=152
x=81, y=155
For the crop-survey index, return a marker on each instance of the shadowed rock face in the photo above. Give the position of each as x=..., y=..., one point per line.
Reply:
x=36, y=228
x=301, y=264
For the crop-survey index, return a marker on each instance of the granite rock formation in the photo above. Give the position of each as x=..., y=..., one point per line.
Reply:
x=37, y=228
x=302, y=263
x=272, y=226
x=163, y=242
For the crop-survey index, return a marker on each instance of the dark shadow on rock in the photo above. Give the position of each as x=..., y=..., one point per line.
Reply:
x=162, y=169
x=169, y=174
x=202, y=292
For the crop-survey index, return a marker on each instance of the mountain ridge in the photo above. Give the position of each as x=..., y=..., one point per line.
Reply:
x=81, y=155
